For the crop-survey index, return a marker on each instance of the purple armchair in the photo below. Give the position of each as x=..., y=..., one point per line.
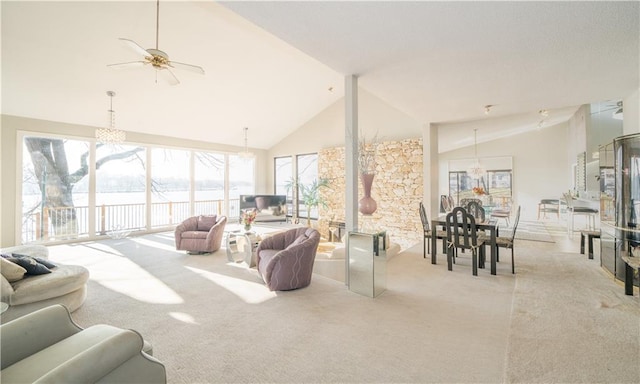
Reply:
x=200, y=234
x=285, y=260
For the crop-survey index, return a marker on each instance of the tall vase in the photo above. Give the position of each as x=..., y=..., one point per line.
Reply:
x=367, y=205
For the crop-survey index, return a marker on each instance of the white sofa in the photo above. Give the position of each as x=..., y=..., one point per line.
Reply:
x=331, y=263
x=66, y=285
x=46, y=346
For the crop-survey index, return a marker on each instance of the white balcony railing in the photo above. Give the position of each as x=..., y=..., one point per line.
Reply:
x=62, y=223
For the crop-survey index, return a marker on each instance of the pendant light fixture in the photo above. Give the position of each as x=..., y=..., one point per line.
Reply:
x=476, y=170
x=110, y=135
x=245, y=153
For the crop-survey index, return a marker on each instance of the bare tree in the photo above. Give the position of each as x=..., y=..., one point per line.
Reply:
x=56, y=181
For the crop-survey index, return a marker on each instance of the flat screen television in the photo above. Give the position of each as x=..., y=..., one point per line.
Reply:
x=268, y=207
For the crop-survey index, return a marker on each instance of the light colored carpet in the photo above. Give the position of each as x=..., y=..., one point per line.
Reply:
x=559, y=319
x=530, y=231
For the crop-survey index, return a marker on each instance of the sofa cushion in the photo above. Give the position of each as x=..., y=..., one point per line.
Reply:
x=265, y=256
x=62, y=280
x=194, y=234
x=11, y=271
x=32, y=266
x=206, y=222
x=40, y=260
x=85, y=356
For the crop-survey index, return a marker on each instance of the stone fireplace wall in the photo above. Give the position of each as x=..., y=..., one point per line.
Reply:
x=397, y=189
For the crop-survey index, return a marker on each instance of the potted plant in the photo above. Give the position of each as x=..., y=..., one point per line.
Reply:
x=309, y=194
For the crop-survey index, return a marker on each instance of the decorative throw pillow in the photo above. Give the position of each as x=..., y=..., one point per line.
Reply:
x=40, y=260
x=206, y=222
x=31, y=265
x=11, y=271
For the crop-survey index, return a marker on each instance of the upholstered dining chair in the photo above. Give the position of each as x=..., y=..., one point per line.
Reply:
x=573, y=211
x=465, y=201
x=549, y=206
x=426, y=240
x=476, y=209
x=285, y=260
x=446, y=204
x=463, y=233
x=502, y=211
x=507, y=241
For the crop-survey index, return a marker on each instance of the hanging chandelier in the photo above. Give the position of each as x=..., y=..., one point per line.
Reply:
x=110, y=135
x=245, y=154
x=476, y=170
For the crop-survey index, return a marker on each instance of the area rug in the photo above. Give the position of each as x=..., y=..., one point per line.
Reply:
x=530, y=231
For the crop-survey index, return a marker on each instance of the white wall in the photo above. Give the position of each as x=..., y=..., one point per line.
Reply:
x=631, y=114
x=539, y=159
x=326, y=129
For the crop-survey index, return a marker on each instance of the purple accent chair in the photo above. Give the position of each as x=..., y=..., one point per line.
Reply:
x=200, y=234
x=285, y=260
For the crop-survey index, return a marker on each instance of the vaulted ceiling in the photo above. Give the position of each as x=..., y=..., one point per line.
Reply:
x=272, y=66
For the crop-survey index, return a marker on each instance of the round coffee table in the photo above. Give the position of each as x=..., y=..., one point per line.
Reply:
x=241, y=247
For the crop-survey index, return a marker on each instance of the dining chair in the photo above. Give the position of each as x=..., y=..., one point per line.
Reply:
x=462, y=233
x=573, y=211
x=507, y=241
x=476, y=209
x=426, y=240
x=464, y=202
x=445, y=201
x=548, y=206
x=452, y=202
x=503, y=211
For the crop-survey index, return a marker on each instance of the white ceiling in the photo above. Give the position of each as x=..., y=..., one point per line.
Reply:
x=269, y=65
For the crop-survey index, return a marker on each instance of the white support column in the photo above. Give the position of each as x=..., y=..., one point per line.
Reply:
x=351, y=152
x=431, y=170
x=149, y=180
x=351, y=159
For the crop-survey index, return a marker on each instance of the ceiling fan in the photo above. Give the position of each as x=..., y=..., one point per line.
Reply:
x=158, y=59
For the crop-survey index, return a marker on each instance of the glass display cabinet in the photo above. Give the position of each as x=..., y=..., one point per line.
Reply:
x=620, y=213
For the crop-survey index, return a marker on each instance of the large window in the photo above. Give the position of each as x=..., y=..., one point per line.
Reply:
x=283, y=176
x=120, y=188
x=135, y=188
x=209, y=183
x=54, y=189
x=496, y=183
x=307, y=174
x=241, y=181
x=170, y=186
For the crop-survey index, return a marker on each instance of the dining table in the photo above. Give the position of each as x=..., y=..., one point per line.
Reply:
x=490, y=226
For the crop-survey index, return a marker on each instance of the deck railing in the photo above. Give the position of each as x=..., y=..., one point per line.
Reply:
x=62, y=223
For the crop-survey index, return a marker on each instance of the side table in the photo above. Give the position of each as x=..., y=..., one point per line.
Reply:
x=241, y=247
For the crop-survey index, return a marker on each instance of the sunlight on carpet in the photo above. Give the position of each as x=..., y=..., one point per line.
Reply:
x=249, y=292
x=111, y=269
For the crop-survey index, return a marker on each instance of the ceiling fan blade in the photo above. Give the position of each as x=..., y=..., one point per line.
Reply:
x=188, y=67
x=135, y=46
x=129, y=64
x=166, y=74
